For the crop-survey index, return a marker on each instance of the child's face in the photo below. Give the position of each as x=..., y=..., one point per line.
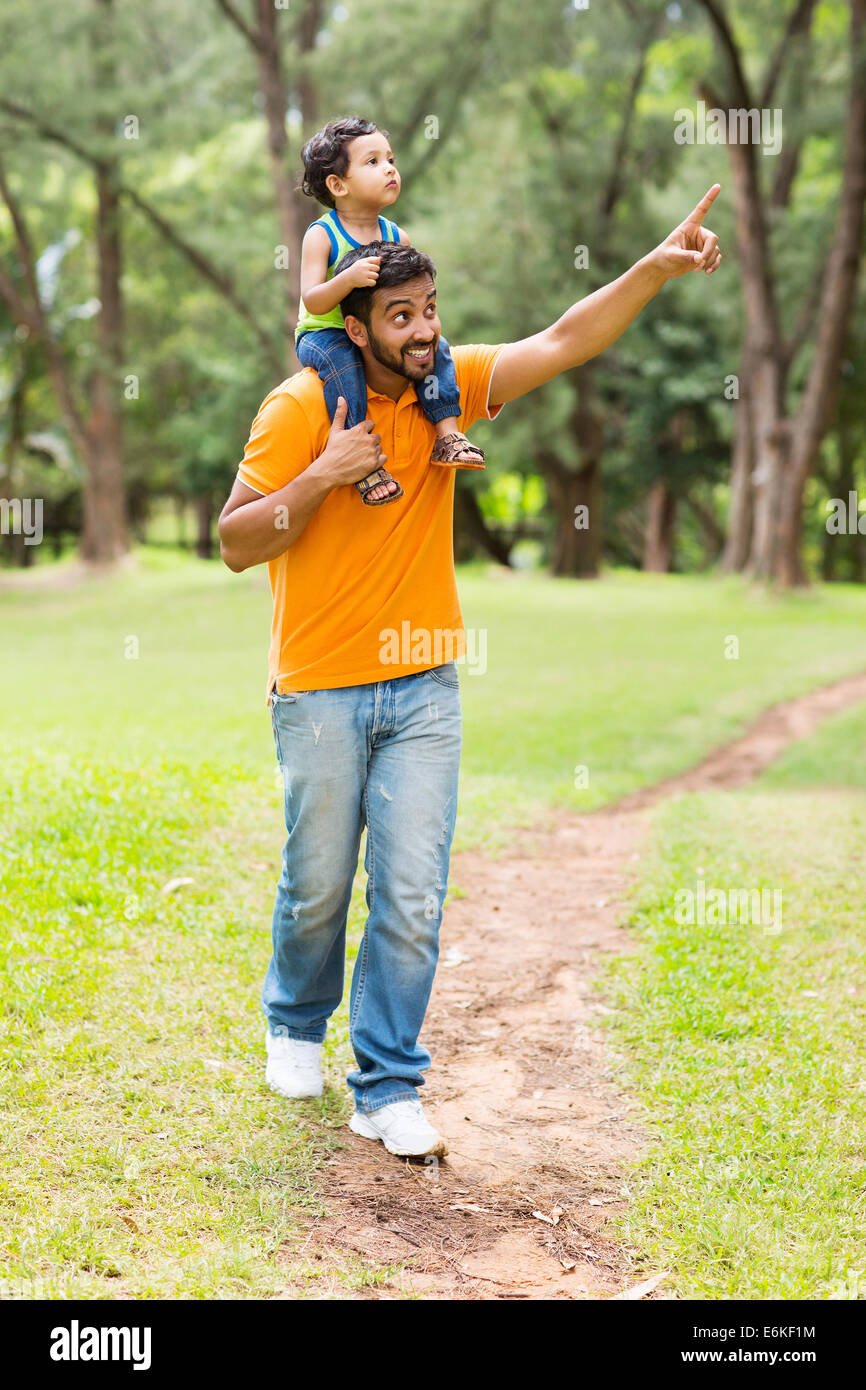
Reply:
x=371, y=177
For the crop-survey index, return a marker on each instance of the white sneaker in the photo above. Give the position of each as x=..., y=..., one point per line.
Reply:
x=402, y=1127
x=294, y=1067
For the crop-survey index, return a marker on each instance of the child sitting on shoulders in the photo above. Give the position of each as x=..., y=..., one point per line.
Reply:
x=349, y=167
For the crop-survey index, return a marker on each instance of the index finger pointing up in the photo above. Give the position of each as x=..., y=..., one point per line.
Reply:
x=706, y=203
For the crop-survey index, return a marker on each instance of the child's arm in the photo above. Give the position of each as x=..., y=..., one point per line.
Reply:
x=320, y=294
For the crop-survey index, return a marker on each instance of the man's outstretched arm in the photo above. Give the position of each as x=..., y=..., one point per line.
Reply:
x=591, y=325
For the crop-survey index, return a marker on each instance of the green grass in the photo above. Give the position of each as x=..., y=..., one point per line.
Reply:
x=746, y=1047
x=625, y=676
x=835, y=756
x=141, y=1154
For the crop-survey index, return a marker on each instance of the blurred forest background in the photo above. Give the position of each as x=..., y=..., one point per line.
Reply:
x=149, y=252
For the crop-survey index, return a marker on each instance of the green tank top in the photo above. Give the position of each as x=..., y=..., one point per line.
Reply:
x=341, y=242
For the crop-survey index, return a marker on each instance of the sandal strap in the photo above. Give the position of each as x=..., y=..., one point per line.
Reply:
x=448, y=446
x=381, y=475
x=372, y=480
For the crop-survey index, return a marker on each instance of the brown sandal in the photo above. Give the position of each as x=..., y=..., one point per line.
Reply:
x=372, y=480
x=449, y=446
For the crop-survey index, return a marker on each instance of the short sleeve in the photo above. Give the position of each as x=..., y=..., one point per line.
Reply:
x=280, y=445
x=474, y=367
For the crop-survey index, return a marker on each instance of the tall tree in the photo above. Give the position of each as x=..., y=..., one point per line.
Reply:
x=263, y=35
x=777, y=443
x=96, y=428
x=565, y=105
x=105, y=535
x=92, y=427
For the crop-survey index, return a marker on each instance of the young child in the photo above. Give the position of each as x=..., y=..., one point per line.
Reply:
x=349, y=167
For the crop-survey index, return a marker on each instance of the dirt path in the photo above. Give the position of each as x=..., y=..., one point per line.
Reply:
x=520, y=1082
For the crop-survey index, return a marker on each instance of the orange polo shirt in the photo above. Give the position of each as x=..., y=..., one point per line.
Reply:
x=365, y=593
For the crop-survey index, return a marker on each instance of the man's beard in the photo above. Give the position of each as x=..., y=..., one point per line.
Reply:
x=400, y=362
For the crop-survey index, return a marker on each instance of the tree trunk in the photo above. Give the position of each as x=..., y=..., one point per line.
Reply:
x=96, y=439
x=837, y=300
x=848, y=458
x=828, y=558
x=576, y=498
x=740, y=509
x=293, y=215
x=471, y=530
x=785, y=449
x=305, y=37
x=16, y=408
x=712, y=536
x=829, y=542
x=274, y=94
x=180, y=520
x=661, y=525
x=788, y=560
x=835, y=547
x=204, y=521
x=770, y=443
x=662, y=506
x=104, y=535
x=763, y=359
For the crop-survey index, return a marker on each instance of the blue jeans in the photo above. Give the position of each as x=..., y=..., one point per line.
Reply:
x=340, y=365
x=385, y=756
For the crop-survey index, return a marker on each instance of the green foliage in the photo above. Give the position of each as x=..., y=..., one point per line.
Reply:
x=509, y=135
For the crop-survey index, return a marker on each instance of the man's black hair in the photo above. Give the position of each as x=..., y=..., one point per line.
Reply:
x=327, y=152
x=399, y=263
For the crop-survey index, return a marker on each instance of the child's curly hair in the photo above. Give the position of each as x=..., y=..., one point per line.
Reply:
x=326, y=153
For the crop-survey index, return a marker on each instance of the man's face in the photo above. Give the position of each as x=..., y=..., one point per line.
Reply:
x=404, y=328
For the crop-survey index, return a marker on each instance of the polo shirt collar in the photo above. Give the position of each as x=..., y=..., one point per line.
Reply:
x=407, y=397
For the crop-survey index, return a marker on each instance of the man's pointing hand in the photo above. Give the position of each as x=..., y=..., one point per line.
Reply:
x=691, y=245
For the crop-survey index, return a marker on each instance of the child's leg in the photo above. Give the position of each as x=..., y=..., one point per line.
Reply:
x=439, y=396
x=336, y=359
x=331, y=353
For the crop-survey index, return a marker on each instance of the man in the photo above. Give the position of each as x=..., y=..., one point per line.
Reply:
x=365, y=738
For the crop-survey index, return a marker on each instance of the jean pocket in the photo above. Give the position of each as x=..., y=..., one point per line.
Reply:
x=446, y=674
x=288, y=697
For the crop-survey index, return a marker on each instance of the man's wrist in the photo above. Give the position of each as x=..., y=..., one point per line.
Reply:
x=654, y=268
x=317, y=473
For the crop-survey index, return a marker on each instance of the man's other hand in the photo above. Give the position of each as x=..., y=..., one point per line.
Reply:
x=349, y=455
